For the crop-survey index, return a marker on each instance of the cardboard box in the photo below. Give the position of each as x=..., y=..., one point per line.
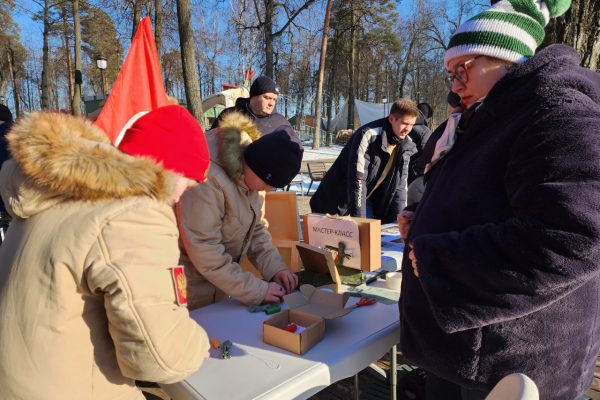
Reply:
x=369, y=231
x=299, y=343
x=281, y=212
x=320, y=261
x=309, y=308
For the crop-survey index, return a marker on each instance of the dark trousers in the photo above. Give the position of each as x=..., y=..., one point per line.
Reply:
x=437, y=388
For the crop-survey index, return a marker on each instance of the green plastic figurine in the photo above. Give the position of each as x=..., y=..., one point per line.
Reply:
x=226, y=349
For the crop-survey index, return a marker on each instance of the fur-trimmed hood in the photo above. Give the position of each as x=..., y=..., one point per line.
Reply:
x=227, y=143
x=58, y=157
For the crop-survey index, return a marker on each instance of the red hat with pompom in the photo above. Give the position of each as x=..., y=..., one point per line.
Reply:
x=172, y=137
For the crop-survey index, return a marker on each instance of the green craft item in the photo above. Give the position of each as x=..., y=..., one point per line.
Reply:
x=313, y=278
x=272, y=309
x=382, y=295
x=351, y=276
x=226, y=349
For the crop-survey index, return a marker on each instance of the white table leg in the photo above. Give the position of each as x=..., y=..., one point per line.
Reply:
x=393, y=373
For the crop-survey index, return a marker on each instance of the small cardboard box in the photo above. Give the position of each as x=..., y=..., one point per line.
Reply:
x=369, y=231
x=308, y=308
x=299, y=343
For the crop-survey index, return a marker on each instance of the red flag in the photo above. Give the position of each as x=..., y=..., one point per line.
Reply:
x=138, y=88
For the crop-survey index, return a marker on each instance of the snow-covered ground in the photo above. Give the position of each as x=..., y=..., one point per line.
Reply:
x=324, y=153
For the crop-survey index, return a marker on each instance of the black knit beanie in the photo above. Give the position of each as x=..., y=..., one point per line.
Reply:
x=263, y=84
x=5, y=114
x=275, y=158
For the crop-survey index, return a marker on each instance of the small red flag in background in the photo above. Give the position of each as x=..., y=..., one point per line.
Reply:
x=138, y=88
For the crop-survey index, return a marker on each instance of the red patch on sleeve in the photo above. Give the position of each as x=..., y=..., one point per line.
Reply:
x=180, y=284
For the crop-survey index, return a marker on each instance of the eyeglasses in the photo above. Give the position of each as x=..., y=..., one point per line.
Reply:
x=460, y=73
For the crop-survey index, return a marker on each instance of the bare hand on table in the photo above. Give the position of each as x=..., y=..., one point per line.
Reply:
x=404, y=219
x=413, y=260
x=274, y=294
x=287, y=279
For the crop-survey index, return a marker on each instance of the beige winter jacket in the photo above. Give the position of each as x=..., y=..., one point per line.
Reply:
x=221, y=221
x=87, y=301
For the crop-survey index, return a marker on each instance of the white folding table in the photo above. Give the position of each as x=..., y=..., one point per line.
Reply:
x=261, y=371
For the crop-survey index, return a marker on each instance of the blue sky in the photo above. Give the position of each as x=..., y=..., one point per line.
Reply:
x=31, y=31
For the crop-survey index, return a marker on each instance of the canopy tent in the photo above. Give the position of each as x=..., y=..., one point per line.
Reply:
x=364, y=113
x=214, y=104
x=226, y=98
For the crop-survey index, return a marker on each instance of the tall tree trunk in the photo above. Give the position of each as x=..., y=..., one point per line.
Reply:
x=268, y=32
x=29, y=95
x=405, y=68
x=136, y=16
x=317, y=136
x=45, y=96
x=158, y=25
x=188, y=59
x=579, y=27
x=68, y=53
x=351, y=69
x=11, y=70
x=300, y=111
x=76, y=101
x=331, y=80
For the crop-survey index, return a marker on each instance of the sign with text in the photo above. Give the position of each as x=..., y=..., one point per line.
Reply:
x=328, y=232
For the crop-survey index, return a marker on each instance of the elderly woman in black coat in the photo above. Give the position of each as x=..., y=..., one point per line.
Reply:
x=502, y=267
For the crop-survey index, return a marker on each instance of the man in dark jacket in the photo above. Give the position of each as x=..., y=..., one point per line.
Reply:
x=502, y=269
x=6, y=120
x=369, y=177
x=420, y=135
x=260, y=107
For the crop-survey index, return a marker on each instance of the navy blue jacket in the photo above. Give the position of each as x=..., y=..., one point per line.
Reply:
x=356, y=171
x=507, y=237
x=265, y=124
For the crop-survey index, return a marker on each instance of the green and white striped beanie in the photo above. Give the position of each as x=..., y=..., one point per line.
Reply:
x=510, y=30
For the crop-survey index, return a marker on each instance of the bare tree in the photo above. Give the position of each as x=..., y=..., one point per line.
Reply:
x=45, y=89
x=100, y=39
x=579, y=27
x=158, y=25
x=210, y=47
x=188, y=59
x=136, y=15
x=76, y=99
x=11, y=68
x=317, y=135
x=12, y=55
x=266, y=12
x=67, y=47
